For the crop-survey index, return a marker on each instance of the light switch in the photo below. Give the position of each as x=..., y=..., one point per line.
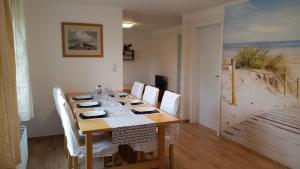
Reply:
x=115, y=68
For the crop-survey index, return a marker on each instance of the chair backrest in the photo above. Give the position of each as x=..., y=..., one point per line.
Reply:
x=59, y=98
x=70, y=130
x=151, y=95
x=57, y=94
x=170, y=102
x=137, y=89
x=68, y=121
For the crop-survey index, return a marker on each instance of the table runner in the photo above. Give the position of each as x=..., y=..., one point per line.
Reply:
x=127, y=127
x=131, y=129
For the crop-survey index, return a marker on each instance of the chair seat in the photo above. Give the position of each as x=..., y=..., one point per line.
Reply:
x=150, y=146
x=94, y=134
x=102, y=146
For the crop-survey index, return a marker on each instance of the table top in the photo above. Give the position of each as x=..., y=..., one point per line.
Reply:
x=100, y=125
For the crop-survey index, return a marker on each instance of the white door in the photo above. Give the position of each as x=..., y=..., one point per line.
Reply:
x=210, y=48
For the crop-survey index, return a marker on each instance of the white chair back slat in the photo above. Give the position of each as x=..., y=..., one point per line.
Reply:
x=170, y=103
x=137, y=89
x=57, y=93
x=59, y=98
x=151, y=95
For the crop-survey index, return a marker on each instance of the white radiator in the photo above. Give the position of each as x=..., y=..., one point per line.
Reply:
x=23, y=148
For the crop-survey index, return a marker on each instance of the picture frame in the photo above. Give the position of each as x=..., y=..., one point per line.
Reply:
x=82, y=39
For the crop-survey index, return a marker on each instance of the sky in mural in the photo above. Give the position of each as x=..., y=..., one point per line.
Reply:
x=262, y=21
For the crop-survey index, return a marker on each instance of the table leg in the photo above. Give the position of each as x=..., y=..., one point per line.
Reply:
x=161, y=147
x=89, y=151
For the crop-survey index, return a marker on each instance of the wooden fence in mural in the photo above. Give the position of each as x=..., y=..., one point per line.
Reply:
x=286, y=81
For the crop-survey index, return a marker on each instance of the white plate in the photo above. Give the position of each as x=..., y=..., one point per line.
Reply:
x=91, y=103
x=144, y=108
x=135, y=101
x=83, y=97
x=94, y=113
x=122, y=94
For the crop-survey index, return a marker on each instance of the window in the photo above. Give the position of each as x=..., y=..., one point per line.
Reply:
x=25, y=107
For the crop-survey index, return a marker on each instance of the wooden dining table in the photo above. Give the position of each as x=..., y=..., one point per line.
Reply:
x=90, y=126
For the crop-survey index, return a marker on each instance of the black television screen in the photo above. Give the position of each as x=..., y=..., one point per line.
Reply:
x=159, y=81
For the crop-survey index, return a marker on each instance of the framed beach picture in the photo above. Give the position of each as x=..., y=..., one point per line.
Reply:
x=82, y=39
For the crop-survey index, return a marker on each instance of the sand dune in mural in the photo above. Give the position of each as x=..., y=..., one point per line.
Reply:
x=255, y=95
x=264, y=119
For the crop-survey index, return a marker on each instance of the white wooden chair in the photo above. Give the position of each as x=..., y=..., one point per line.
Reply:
x=137, y=89
x=151, y=95
x=102, y=146
x=169, y=104
x=59, y=96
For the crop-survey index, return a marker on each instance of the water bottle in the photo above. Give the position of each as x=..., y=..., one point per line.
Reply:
x=99, y=89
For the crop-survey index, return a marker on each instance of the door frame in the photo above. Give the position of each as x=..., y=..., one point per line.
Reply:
x=179, y=62
x=194, y=92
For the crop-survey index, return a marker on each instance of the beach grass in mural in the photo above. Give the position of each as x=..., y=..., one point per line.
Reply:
x=263, y=37
x=260, y=103
x=82, y=40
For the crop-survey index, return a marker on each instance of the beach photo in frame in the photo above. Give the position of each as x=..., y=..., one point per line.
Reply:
x=82, y=39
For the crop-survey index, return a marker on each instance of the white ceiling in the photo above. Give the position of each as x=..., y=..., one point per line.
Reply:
x=157, y=14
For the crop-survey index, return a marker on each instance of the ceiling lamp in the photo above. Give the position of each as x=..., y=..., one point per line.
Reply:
x=128, y=24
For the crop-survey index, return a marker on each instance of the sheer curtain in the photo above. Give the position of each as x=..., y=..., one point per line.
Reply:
x=9, y=119
x=23, y=82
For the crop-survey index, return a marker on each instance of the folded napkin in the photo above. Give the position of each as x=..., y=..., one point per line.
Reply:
x=144, y=112
x=137, y=103
x=123, y=103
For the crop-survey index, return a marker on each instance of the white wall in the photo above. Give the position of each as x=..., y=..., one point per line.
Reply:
x=155, y=54
x=139, y=68
x=165, y=56
x=47, y=66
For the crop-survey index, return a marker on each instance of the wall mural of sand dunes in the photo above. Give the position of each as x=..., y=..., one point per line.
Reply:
x=260, y=105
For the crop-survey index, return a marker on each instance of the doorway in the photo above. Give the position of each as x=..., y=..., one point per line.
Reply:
x=179, y=52
x=209, y=72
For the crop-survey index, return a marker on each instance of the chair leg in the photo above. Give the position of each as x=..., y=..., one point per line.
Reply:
x=171, y=156
x=117, y=159
x=107, y=162
x=69, y=162
x=139, y=156
x=113, y=159
x=75, y=162
x=65, y=147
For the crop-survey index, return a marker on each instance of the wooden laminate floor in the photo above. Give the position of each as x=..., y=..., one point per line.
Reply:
x=196, y=148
